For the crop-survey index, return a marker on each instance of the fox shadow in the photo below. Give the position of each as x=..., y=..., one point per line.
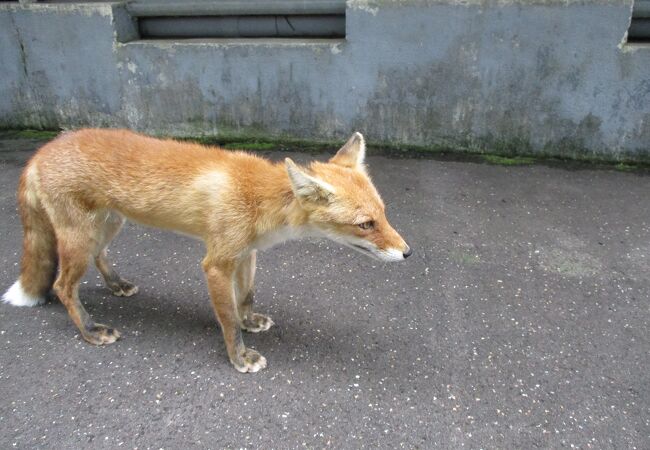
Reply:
x=165, y=325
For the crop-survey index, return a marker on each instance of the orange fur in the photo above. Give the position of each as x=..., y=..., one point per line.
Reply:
x=76, y=191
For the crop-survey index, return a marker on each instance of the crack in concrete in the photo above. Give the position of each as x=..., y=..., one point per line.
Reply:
x=23, y=55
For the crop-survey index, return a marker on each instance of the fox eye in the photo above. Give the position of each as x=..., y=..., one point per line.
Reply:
x=367, y=225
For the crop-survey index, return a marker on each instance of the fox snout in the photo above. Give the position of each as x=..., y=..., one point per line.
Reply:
x=379, y=240
x=396, y=253
x=389, y=245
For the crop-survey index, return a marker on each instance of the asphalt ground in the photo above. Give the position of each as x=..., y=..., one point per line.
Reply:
x=521, y=321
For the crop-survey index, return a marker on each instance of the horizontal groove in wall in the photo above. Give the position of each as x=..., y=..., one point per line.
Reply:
x=289, y=26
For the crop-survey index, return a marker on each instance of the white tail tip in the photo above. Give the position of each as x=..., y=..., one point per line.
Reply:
x=16, y=296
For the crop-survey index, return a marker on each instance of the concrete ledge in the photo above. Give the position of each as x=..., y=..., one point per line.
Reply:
x=226, y=42
x=541, y=77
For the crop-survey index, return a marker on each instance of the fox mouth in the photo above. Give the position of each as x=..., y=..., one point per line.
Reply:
x=381, y=255
x=365, y=251
x=374, y=254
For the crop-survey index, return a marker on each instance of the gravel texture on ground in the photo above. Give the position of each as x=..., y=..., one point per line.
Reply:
x=521, y=321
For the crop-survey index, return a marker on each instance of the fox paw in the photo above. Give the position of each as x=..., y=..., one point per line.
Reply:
x=123, y=288
x=99, y=334
x=249, y=361
x=256, y=323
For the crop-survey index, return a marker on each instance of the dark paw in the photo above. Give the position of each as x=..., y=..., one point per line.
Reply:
x=99, y=334
x=123, y=288
x=249, y=361
x=256, y=323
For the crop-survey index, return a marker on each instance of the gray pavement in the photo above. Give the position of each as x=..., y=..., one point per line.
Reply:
x=521, y=321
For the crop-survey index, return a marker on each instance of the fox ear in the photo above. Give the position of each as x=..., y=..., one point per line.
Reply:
x=307, y=188
x=352, y=154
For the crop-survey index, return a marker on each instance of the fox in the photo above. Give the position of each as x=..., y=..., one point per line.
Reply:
x=77, y=191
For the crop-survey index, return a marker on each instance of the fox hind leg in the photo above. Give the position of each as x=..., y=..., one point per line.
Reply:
x=73, y=262
x=108, y=230
x=244, y=280
x=78, y=231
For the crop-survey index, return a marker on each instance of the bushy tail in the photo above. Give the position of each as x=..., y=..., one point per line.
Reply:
x=39, y=260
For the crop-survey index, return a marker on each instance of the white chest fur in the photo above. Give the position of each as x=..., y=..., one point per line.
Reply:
x=280, y=235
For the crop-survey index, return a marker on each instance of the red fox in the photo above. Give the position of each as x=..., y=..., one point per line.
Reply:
x=77, y=191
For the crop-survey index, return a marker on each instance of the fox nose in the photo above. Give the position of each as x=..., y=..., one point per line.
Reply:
x=408, y=252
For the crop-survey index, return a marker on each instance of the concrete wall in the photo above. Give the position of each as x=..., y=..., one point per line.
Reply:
x=527, y=76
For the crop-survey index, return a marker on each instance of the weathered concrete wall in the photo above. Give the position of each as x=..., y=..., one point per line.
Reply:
x=529, y=76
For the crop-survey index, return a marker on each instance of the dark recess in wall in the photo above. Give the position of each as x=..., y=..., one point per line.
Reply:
x=640, y=26
x=262, y=26
x=174, y=19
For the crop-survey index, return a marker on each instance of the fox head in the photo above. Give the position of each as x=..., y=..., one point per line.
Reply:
x=341, y=203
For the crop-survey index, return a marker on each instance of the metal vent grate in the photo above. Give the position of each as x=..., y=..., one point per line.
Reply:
x=240, y=19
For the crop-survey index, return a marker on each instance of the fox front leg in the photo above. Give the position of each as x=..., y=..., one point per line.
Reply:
x=244, y=278
x=219, y=276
